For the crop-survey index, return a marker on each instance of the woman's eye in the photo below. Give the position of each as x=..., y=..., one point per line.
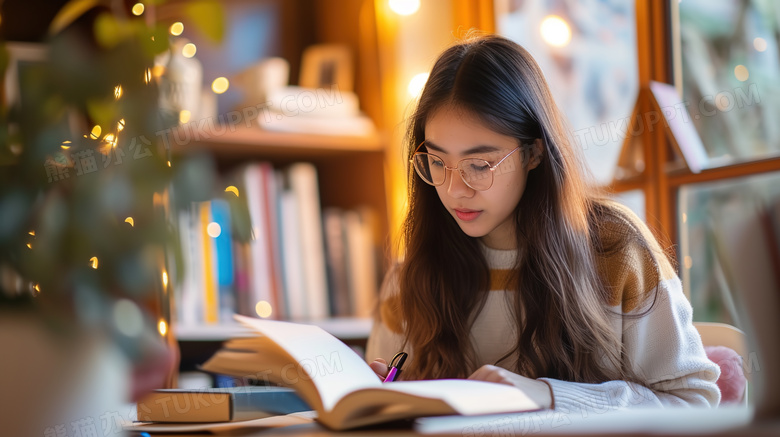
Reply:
x=479, y=167
x=437, y=163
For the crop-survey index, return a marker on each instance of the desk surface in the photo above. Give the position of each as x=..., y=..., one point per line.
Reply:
x=723, y=422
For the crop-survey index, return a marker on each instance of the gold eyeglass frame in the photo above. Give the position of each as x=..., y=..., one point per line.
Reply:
x=492, y=168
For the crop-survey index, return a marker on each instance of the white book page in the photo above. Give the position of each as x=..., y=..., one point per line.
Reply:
x=332, y=366
x=469, y=397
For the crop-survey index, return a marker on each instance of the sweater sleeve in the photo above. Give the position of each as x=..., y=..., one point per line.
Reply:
x=665, y=348
x=386, y=336
x=660, y=343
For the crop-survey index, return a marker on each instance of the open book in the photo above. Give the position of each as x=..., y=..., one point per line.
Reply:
x=342, y=388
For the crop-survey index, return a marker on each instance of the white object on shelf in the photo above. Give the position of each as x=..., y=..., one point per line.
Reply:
x=343, y=328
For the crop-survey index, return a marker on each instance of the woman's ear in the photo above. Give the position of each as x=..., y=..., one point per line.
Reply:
x=536, y=154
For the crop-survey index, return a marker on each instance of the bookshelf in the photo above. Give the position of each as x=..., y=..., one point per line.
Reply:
x=350, y=173
x=351, y=170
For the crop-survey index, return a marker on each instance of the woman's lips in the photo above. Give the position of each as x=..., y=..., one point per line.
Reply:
x=467, y=215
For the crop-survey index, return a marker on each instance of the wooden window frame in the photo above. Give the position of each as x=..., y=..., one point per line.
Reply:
x=658, y=52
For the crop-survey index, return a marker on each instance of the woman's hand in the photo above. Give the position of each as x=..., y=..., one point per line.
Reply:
x=539, y=391
x=379, y=366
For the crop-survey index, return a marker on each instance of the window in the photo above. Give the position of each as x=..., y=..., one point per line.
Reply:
x=730, y=71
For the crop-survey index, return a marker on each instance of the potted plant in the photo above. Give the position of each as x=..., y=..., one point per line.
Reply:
x=87, y=246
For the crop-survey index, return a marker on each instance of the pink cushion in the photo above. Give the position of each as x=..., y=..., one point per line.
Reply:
x=732, y=379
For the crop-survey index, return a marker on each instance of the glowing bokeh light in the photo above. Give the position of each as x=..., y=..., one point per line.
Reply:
x=555, y=31
x=220, y=85
x=138, y=9
x=741, y=73
x=214, y=230
x=417, y=84
x=177, y=28
x=404, y=7
x=189, y=50
x=263, y=309
x=232, y=189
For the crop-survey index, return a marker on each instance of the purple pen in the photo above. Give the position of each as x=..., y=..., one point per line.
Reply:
x=395, y=366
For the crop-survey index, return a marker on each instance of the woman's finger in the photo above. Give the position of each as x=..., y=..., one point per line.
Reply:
x=379, y=366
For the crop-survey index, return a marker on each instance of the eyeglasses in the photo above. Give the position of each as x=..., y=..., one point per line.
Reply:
x=475, y=172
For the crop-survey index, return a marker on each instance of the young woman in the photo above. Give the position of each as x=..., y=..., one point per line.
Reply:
x=517, y=272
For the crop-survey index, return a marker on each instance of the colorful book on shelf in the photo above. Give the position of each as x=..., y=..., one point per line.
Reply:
x=218, y=404
x=210, y=286
x=342, y=388
x=260, y=273
x=221, y=234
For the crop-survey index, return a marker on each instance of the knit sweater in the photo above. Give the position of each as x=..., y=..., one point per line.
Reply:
x=662, y=345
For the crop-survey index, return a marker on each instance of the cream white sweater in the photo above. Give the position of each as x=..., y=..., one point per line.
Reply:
x=662, y=345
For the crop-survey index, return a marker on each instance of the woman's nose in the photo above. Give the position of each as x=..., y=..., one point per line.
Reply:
x=457, y=187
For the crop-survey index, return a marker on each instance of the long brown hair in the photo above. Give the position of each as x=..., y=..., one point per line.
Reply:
x=563, y=319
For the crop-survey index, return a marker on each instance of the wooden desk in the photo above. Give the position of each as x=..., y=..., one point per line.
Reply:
x=314, y=431
x=723, y=422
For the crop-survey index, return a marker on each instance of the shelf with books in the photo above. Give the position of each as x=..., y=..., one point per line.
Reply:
x=316, y=223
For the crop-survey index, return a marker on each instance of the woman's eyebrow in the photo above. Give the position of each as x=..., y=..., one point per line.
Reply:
x=471, y=151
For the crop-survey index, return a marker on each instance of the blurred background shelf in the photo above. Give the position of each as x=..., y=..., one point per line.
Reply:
x=255, y=142
x=343, y=328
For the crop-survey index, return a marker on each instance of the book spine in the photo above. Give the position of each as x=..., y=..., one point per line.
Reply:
x=260, y=274
x=210, y=286
x=223, y=255
x=361, y=262
x=303, y=182
x=271, y=197
x=295, y=291
x=183, y=298
x=336, y=261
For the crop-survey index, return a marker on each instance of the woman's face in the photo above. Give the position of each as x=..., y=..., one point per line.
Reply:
x=454, y=134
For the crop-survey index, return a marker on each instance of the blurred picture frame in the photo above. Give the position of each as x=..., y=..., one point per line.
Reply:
x=22, y=58
x=326, y=65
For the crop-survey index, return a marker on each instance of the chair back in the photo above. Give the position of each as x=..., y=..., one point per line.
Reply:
x=722, y=334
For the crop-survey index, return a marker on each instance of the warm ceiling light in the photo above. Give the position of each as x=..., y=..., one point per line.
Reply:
x=404, y=7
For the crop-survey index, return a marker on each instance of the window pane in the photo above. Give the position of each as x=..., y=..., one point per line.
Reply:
x=729, y=241
x=587, y=51
x=731, y=79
